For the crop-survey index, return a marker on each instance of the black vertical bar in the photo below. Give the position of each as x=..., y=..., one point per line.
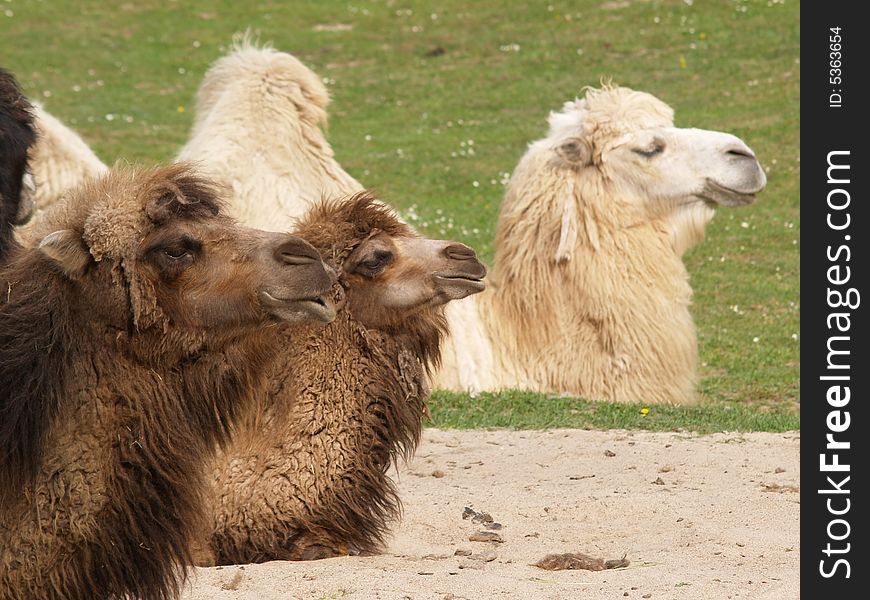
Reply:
x=834, y=264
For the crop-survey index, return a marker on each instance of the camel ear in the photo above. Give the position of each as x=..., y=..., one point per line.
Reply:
x=574, y=151
x=66, y=248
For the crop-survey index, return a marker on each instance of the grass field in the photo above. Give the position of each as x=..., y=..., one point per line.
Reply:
x=434, y=103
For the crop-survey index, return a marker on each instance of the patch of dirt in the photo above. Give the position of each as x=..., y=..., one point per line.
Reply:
x=554, y=493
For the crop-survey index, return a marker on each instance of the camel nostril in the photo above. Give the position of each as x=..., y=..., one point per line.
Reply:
x=740, y=151
x=459, y=252
x=295, y=251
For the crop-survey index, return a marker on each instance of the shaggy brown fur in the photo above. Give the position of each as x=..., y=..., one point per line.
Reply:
x=17, y=135
x=125, y=356
x=313, y=483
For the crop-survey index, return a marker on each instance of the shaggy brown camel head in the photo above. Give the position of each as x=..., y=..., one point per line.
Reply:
x=17, y=135
x=390, y=272
x=155, y=249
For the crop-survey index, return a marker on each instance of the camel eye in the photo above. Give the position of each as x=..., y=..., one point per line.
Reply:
x=657, y=147
x=176, y=253
x=376, y=262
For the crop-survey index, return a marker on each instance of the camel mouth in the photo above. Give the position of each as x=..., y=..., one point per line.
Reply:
x=716, y=194
x=469, y=282
x=317, y=308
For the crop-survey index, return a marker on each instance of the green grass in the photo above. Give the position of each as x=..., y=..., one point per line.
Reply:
x=524, y=410
x=430, y=79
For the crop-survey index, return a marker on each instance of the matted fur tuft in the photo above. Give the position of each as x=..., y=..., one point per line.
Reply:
x=337, y=226
x=250, y=62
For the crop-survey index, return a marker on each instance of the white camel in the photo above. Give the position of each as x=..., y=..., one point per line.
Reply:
x=588, y=295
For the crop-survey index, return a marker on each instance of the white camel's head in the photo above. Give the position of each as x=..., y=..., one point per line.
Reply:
x=623, y=162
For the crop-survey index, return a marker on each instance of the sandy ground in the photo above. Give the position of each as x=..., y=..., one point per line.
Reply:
x=698, y=517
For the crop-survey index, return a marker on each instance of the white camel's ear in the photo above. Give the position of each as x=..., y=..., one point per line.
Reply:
x=574, y=151
x=66, y=248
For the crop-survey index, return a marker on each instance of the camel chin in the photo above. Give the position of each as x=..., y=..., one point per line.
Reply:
x=716, y=195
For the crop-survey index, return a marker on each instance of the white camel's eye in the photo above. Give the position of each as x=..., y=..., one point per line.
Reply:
x=656, y=148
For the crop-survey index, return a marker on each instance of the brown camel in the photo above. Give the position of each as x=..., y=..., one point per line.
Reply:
x=310, y=480
x=17, y=135
x=131, y=341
